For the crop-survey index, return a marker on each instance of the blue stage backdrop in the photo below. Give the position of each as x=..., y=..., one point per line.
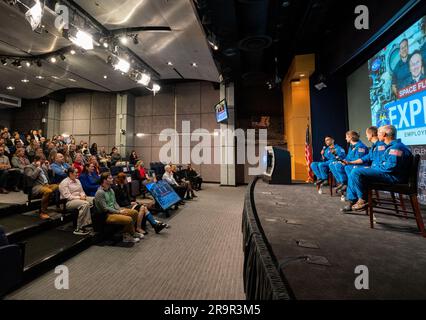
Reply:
x=398, y=91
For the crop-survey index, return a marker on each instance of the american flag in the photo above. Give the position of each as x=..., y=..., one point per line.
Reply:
x=308, y=155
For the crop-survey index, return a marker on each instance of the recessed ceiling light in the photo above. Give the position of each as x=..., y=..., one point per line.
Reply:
x=72, y=80
x=105, y=77
x=169, y=63
x=28, y=64
x=40, y=77
x=302, y=75
x=25, y=80
x=106, y=45
x=73, y=52
x=53, y=60
x=55, y=77
x=194, y=64
x=123, y=40
x=10, y=88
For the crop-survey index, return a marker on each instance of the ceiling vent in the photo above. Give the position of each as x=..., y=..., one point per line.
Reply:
x=9, y=102
x=255, y=43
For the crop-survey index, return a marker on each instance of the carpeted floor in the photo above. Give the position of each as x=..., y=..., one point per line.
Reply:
x=393, y=252
x=199, y=257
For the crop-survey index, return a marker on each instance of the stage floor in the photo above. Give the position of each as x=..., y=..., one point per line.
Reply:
x=394, y=252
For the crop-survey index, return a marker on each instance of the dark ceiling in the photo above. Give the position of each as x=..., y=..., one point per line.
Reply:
x=257, y=39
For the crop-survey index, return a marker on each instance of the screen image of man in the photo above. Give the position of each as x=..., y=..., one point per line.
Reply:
x=416, y=67
x=401, y=73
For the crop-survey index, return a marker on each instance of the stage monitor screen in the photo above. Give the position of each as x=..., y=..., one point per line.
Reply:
x=221, y=110
x=398, y=85
x=163, y=193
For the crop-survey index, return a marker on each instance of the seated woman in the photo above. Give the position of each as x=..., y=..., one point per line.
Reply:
x=93, y=160
x=115, y=156
x=89, y=180
x=124, y=200
x=94, y=150
x=78, y=163
x=179, y=176
x=104, y=158
x=133, y=158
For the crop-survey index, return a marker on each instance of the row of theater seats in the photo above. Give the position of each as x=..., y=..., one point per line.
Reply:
x=13, y=253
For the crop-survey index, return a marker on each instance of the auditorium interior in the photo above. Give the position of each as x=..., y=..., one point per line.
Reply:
x=212, y=150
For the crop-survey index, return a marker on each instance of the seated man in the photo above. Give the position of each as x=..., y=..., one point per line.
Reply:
x=19, y=160
x=72, y=191
x=124, y=200
x=59, y=168
x=38, y=172
x=393, y=168
x=9, y=178
x=357, y=150
x=179, y=189
x=105, y=202
x=329, y=154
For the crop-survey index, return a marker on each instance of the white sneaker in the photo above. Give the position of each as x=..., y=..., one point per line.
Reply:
x=342, y=198
x=138, y=235
x=129, y=239
x=81, y=232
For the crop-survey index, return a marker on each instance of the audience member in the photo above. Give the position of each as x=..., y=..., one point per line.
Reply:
x=59, y=168
x=106, y=203
x=115, y=156
x=72, y=191
x=38, y=172
x=124, y=200
x=78, y=163
x=89, y=179
x=133, y=158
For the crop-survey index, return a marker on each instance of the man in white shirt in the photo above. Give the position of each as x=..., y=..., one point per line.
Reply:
x=168, y=176
x=71, y=190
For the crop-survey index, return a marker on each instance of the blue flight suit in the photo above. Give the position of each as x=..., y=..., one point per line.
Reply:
x=393, y=167
x=321, y=168
x=356, y=151
x=371, y=159
x=401, y=75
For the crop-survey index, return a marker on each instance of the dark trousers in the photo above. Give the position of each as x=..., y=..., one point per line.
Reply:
x=9, y=178
x=180, y=190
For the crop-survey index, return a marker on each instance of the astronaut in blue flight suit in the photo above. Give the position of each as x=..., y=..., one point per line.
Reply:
x=357, y=150
x=392, y=167
x=329, y=155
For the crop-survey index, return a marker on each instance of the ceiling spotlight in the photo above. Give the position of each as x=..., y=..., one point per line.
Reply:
x=285, y=4
x=146, y=78
x=17, y=64
x=105, y=77
x=83, y=40
x=3, y=61
x=25, y=80
x=55, y=77
x=194, y=64
x=122, y=65
x=39, y=77
x=169, y=63
x=156, y=88
x=10, y=88
x=53, y=60
x=123, y=40
x=136, y=40
x=28, y=64
x=73, y=52
x=106, y=45
x=72, y=80
x=34, y=15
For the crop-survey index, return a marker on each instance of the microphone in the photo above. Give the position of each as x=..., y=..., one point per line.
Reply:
x=323, y=151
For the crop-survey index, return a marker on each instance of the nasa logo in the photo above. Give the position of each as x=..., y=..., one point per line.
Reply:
x=381, y=148
x=376, y=65
x=362, y=150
